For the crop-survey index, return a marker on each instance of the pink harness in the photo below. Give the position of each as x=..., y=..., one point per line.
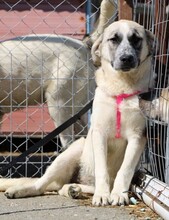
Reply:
x=119, y=99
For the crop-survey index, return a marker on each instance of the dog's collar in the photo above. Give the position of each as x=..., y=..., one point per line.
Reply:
x=119, y=99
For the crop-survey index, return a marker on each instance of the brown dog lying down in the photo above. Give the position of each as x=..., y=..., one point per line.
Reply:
x=162, y=105
x=104, y=162
x=158, y=108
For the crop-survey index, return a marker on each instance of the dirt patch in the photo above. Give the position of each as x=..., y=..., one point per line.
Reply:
x=140, y=210
x=143, y=212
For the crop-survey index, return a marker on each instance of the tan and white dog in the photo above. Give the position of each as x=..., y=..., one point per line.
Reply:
x=158, y=108
x=103, y=164
x=108, y=8
x=161, y=105
x=51, y=69
x=108, y=12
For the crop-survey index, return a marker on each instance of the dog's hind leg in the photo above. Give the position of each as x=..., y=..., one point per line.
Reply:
x=58, y=174
x=60, y=113
x=75, y=191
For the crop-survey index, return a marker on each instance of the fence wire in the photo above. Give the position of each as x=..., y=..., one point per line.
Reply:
x=40, y=88
x=46, y=21
x=154, y=16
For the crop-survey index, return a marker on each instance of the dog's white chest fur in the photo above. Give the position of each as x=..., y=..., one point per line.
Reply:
x=104, y=121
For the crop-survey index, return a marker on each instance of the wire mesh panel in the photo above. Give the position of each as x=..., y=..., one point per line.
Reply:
x=46, y=76
x=154, y=16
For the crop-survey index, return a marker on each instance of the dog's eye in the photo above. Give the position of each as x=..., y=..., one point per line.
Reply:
x=116, y=39
x=135, y=40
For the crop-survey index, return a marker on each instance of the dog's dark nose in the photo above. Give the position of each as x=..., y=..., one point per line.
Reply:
x=127, y=58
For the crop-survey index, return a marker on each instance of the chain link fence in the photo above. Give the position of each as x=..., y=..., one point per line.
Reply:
x=45, y=21
x=40, y=87
x=154, y=16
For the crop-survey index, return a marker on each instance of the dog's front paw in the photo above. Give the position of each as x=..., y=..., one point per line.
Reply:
x=101, y=199
x=119, y=198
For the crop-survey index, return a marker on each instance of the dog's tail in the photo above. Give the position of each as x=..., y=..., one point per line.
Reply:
x=5, y=183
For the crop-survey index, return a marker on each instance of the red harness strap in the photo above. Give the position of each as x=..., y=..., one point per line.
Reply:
x=119, y=99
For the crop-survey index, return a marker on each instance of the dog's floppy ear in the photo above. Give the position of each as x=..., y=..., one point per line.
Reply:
x=96, y=51
x=151, y=41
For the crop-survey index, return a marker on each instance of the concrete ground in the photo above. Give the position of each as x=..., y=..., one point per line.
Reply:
x=50, y=207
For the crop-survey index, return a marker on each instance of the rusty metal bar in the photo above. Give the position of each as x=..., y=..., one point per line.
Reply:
x=161, y=28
